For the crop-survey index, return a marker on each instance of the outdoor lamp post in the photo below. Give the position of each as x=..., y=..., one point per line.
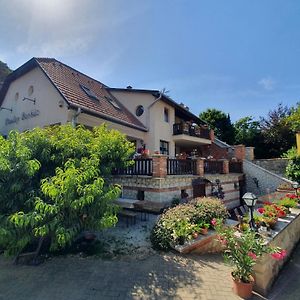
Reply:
x=296, y=185
x=250, y=200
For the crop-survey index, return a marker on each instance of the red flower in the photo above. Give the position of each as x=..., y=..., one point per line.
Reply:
x=267, y=203
x=279, y=255
x=261, y=210
x=252, y=255
x=213, y=222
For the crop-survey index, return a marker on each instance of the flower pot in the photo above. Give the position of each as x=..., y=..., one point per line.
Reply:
x=243, y=289
x=195, y=235
x=204, y=231
x=181, y=240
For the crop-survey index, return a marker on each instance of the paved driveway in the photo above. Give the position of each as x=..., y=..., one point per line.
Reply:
x=156, y=277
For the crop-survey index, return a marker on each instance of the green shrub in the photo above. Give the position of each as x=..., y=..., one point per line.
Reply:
x=201, y=210
x=293, y=169
x=209, y=208
x=54, y=183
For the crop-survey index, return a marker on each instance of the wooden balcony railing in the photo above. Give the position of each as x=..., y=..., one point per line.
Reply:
x=213, y=166
x=181, y=166
x=235, y=167
x=143, y=166
x=185, y=128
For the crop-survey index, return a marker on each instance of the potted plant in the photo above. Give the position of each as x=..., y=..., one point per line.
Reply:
x=288, y=203
x=182, y=230
x=203, y=227
x=241, y=249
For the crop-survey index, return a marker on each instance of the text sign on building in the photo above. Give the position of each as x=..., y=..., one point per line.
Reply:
x=25, y=116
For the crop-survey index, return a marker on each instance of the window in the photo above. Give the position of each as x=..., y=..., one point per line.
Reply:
x=113, y=102
x=30, y=90
x=166, y=115
x=164, y=147
x=89, y=92
x=139, y=110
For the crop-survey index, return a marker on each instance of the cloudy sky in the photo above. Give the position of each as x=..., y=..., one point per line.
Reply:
x=242, y=57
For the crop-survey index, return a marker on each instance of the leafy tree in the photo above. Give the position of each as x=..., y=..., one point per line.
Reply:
x=54, y=182
x=4, y=71
x=277, y=134
x=293, y=168
x=246, y=131
x=220, y=123
x=293, y=120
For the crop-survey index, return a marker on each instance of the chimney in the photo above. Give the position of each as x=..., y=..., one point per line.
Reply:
x=129, y=87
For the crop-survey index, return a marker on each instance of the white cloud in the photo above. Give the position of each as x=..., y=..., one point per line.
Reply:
x=267, y=83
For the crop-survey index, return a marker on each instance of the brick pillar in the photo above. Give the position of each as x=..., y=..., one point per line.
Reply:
x=225, y=166
x=159, y=165
x=239, y=152
x=212, y=135
x=199, y=167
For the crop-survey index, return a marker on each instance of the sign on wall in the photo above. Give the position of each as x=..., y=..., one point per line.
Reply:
x=24, y=116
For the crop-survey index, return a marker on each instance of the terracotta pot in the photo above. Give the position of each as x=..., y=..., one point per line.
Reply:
x=195, y=235
x=204, y=231
x=242, y=289
x=181, y=240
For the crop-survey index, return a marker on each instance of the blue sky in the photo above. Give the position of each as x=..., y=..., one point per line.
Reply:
x=242, y=57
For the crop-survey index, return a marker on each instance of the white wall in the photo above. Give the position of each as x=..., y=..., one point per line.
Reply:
x=152, y=118
x=47, y=98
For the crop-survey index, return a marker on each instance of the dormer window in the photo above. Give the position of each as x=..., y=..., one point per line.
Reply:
x=89, y=92
x=113, y=102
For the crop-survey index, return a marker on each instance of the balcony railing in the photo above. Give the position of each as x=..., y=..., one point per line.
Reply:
x=213, y=166
x=172, y=166
x=142, y=166
x=235, y=167
x=192, y=130
x=181, y=167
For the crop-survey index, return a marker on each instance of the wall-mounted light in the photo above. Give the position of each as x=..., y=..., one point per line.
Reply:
x=29, y=99
x=256, y=181
x=235, y=185
x=5, y=108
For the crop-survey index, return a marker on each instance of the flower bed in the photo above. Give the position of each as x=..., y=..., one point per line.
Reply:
x=185, y=222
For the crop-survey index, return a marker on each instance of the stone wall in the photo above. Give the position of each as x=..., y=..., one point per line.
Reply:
x=286, y=236
x=267, y=181
x=275, y=165
x=163, y=190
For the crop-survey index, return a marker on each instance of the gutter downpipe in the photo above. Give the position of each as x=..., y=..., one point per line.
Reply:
x=148, y=113
x=74, y=118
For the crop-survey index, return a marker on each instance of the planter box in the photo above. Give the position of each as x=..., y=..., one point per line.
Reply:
x=286, y=235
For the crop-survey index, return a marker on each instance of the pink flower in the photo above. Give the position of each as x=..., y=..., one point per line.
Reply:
x=252, y=255
x=213, y=222
x=279, y=255
x=222, y=240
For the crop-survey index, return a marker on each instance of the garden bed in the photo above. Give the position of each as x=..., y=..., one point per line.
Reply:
x=285, y=235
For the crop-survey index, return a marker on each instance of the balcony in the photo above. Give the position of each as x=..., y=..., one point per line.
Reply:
x=191, y=130
x=190, y=135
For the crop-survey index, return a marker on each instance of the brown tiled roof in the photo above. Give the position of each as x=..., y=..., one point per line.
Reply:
x=68, y=81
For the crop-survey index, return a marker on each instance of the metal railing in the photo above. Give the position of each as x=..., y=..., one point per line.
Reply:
x=181, y=166
x=141, y=166
x=192, y=130
x=213, y=166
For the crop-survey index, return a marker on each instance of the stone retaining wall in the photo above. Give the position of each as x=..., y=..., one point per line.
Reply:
x=286, y=236
x=267, y=181
x=275, y=165
x=163, y=190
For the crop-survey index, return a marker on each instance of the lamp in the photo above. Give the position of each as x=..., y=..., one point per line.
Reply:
x=250, y=200
x=296, y=185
